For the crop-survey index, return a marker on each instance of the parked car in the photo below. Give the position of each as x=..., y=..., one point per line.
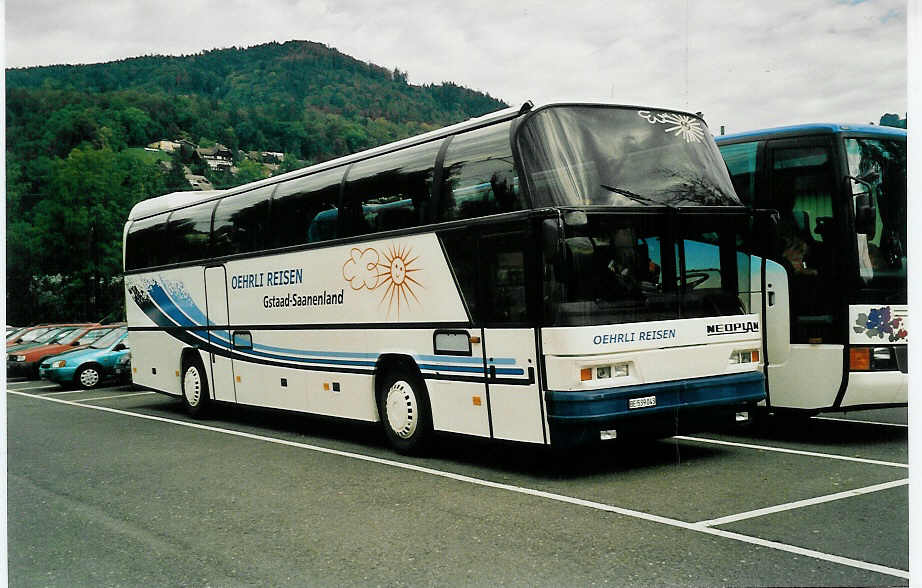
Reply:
x=25, y=360
x=31, y=334
x=26, y=334
x=90, y=366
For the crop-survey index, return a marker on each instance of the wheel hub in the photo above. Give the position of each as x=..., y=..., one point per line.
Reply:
x=192, y=386
x=401, y=408
x=89, y=377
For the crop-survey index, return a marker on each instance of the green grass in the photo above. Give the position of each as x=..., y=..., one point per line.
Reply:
x=148, y=156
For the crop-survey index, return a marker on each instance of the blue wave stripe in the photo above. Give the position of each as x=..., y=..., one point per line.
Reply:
x=183, y=315
x=188, y=307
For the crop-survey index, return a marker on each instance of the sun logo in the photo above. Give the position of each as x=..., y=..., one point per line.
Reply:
x=366, y=269
x=397, y=281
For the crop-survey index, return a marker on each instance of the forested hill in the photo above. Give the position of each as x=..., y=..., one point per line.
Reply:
x=76, y=163
x=294, y=97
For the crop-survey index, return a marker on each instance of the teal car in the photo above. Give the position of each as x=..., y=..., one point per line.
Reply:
x=87, y=367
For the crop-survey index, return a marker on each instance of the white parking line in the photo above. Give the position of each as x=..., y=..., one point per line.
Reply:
x=823, y=418
x=80, y=391
x=38, y=387
x=110, y=397
x=802, y=503
x=507, y=487
x=891, y=464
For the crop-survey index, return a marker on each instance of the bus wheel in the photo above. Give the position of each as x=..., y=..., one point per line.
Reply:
x=88, y=377
x=194, y=388
x=404, y=409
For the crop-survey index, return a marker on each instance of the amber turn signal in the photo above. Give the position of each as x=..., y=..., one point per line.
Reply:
x=859, y=359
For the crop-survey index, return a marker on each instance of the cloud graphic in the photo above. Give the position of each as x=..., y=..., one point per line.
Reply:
x=361, y=269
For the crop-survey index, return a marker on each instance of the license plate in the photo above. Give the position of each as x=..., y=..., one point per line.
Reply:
x=642, y=402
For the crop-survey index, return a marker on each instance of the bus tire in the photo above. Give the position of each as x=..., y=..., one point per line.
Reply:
x=88, y=376
x=194, y=388
x=403, y=405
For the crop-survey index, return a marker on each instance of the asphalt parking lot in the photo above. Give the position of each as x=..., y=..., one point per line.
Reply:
x=117, y=486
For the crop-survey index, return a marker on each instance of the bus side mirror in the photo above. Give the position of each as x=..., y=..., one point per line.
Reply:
x=865, y=207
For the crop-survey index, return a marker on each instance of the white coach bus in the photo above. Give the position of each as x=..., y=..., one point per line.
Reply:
x=550, y=275
x=840, y=191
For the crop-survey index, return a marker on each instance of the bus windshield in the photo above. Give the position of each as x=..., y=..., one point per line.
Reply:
x=881, y=164
x=619, y=268
x=616, y=156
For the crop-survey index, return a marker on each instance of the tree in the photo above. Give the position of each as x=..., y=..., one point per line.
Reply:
x=893, y=120
x=77, y=234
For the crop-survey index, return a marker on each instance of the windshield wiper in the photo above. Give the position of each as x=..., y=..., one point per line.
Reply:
x=631, y=195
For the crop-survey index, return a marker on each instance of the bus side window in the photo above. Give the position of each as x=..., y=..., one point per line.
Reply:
x=391, y=192
x=479, y=175
x=741, y=163
x=146, y=242
x=189, y=231
x=305, y=209
x=241, y=222
x=503, y=259
x=462, y=257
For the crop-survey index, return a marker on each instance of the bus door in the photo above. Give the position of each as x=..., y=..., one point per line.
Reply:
x=801, y=185
x=220, y=366
x=507, y=276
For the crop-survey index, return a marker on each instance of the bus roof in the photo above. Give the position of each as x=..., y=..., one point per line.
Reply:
x=178, y=200
x=811, y=129
x=159, y=204
x=175, y=200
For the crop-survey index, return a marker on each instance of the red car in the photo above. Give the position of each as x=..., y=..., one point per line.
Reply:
x=24, y=361
x=29, y=335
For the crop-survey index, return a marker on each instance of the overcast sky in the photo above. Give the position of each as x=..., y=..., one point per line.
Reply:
x=744, y=64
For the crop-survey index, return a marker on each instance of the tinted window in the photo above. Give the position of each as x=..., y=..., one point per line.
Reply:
x=305, y=210
x=619, y=156
x=504, y=285
x=391, y=192
x=882, y=252
x=802, y=184
x=189, y=232
x=462, y=256
x=625, y=269
x=479, y=177
x=145, y=245
x=741, y=163
x=495, y=260
x=241, y=222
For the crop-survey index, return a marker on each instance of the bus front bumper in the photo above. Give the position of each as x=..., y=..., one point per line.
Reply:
x=663, y=409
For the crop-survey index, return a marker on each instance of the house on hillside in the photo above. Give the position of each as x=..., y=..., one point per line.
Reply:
x=218, y=157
